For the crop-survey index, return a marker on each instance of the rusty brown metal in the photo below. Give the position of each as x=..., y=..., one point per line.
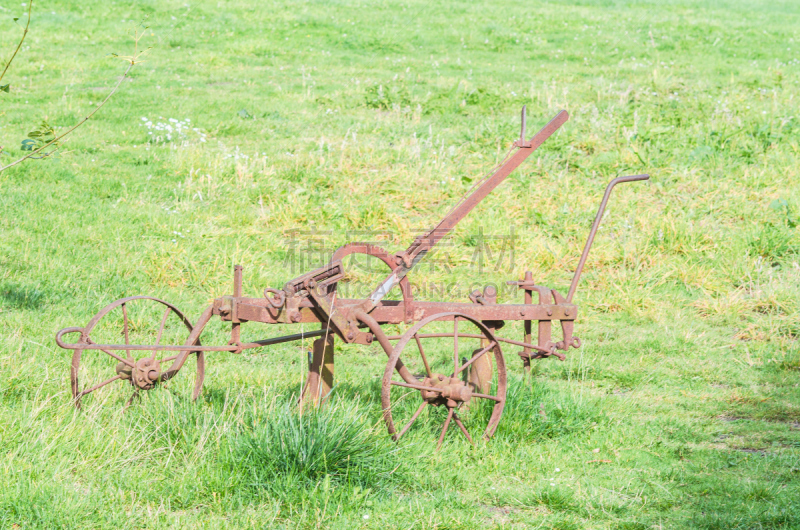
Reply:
x=463, y=336
x=424, y=243
x=595, y=225
x=141, y=374
x=447, y=389
x=320, y=371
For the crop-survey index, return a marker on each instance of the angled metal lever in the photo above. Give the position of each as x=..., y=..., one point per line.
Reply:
x=595, y=226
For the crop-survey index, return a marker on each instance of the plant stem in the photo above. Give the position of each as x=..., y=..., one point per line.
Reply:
x=24, y=33
x=84, y=120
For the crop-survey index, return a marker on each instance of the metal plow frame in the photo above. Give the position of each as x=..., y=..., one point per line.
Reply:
x=311, y=298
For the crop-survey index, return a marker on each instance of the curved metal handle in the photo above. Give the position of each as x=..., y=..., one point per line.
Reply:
x=278, y=300
x=64, y=332
x=595, y=226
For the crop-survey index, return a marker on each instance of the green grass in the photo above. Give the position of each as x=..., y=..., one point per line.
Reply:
x=682, y=409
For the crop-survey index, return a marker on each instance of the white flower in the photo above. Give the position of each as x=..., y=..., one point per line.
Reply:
x=557, y=470
x=366, y=516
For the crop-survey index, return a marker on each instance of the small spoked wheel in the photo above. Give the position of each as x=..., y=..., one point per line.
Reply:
x=134, y=321
x=447, y=369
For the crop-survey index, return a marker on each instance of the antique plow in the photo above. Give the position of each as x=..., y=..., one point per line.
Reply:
x=449, y=361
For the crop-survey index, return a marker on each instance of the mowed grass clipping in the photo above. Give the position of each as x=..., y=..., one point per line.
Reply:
x=268, y=134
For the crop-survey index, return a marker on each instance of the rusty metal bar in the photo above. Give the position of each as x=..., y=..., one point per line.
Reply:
x=462, y=209
x=394, y=313
x=236, y=331
x=426, y=242
x=165, y=347
x=600, y=211
x=287, y=338
x=473, y=336
x=141, y=347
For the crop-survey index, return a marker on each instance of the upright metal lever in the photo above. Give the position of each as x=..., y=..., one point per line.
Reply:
x=595, y=226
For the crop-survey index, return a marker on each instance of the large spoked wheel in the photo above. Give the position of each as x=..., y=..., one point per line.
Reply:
x=137, y=320
x=453, y=373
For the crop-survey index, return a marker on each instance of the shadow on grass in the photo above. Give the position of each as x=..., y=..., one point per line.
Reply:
x=16, y=296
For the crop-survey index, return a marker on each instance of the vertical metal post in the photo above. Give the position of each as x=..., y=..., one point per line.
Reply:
x=480, y=372
x=320, y=372
x=526, y=360
x=236, y=331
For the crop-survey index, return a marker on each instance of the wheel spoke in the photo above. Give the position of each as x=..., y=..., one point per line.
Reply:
x=128, y=361
x=424, y=359
x=134, y=396
x=151, y=317
x=455, y=345
x=444, y=429
x=438, y=388
x=475, y=357
x=412, y=420
x=486, y=396
x=125, y=329
x=161, y=331
x=461, y=426
x=418, y=387
x=99, y=385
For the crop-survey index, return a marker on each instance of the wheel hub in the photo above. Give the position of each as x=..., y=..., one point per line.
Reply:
x=454, y=391
x=144, y=375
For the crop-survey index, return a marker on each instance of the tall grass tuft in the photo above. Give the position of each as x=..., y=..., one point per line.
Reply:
x=334, y=445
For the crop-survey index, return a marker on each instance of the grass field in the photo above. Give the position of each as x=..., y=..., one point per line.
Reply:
x=349, y=121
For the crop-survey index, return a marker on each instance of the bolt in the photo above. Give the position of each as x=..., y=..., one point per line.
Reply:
x=296, y=317
x=312, y=284
x=350, y=335
x=566, y=312
x=441, y=378
x=549, y=312
x=522, y=313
